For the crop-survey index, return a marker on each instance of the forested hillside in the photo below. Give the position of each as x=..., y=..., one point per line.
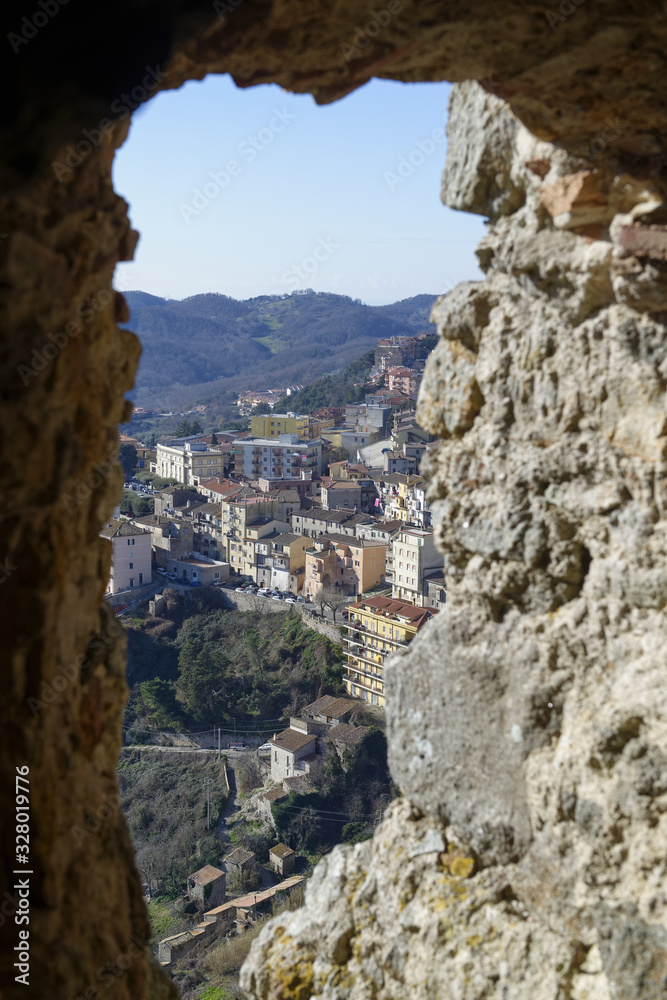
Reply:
x=211, y=346
x=200, y=663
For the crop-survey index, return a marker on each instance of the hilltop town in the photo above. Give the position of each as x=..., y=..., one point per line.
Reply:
x=320, y=510
x=295, y=525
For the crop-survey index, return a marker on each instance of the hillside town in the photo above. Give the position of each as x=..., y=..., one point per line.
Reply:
x=322, y=510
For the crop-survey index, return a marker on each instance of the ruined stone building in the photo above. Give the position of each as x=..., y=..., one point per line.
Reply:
x=527, y=724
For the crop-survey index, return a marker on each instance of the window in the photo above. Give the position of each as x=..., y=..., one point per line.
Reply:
x=132, y=581
x=131, y=566
x=276, y=757
x=141, y=578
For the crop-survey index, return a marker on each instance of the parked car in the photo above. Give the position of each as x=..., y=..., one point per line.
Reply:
x=172, y=576
x=301, y=600
x=290, y=600
x=237, y=746
x=161, y=571
x=276, y=597
x=265, y=748
x=240, y=590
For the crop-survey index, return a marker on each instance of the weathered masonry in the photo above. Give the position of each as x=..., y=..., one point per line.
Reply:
x=528, y=723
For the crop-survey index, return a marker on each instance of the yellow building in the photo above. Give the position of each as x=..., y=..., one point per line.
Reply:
x=378, y=626
x=353, y=564
x=271, y=425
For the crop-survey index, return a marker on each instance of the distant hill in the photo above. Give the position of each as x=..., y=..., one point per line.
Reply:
x=207, y=347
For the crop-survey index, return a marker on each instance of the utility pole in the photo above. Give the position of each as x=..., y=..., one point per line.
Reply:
x=208, y=803
x=218, y=742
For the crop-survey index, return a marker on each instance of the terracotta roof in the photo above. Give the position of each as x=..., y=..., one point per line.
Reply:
x=350, y=540
x=115, y=528
x=205, y=875
x=331, y=706
x=392, y=606
x=274, y=794
x=255, y=897
x=281, y=851
x=343, y=484
x=286, y=538
x=318, y=706
x=292, y=741
x=238, y=856
x=350, y=735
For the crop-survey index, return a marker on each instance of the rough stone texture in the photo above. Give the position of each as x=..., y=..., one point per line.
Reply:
x=549, y=484
x=528, y=724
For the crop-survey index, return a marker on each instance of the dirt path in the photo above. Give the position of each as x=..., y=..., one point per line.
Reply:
x=233, y=805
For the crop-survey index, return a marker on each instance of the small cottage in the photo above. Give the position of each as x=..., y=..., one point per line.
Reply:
x=239, y=863
x=283, y=859
x=207, y=886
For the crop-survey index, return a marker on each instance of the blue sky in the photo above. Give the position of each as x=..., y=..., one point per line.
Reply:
x=258, y=191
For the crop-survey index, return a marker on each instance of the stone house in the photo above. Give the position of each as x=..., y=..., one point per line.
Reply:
x=266, y=800
x=207, y=886
x=330, y=709
x=239, y=863
x=288, y=750
x=283, y=859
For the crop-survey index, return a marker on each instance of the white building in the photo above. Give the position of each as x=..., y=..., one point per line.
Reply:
x=292, y=753
x=130, y=555
x=284, y=457
x=414, y=556
x=189, y=462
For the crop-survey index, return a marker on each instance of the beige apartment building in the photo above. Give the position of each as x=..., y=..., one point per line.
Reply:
x=190, y=462
x=237, y=513
x=130, y=555
x=353, y=564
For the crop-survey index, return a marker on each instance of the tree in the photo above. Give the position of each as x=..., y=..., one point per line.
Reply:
x=214, y=438
x=320, y=599
x=187, y=429
x=333, y=598
x=159, y=703
x=127, y=456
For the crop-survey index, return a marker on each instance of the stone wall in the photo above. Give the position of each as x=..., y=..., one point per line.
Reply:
x=547, y=388
x=263, y=605
x=527, y=725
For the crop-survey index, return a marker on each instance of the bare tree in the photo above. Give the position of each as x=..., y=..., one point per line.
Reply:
x=320, y=599
x=334, y=598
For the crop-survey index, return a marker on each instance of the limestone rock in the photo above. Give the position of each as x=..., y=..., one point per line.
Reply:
x=527, y=724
